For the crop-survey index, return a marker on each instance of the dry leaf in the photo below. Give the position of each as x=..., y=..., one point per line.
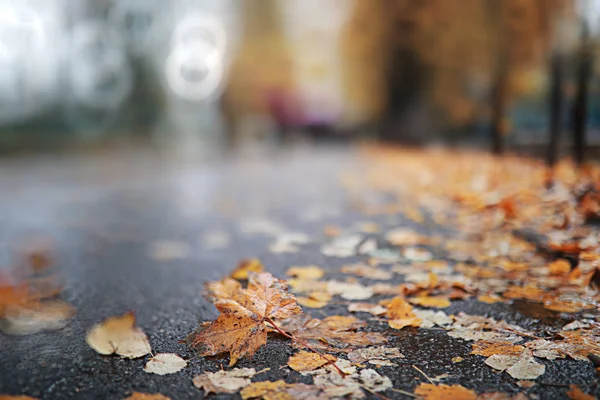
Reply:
x=308, y=361
x=575, y=393
x=379, y=355
x=224, y=381
x=430, y=301
x=314, y=300
x=400, y=314
x=520, y=367
x=147, y=396
x=164, y=364
x=490, y=299
x=428, y=391
x=240, y=328
x=336, y=386
x=560, y=267
x=119, y=335
x=246, y=266
x=310, y=272
x=334, y=333
x=349, y=291
x=35, y=317
x=487, y=349
x=373, y=309
x=430, y=318
x=279, y=390
x=367, y=272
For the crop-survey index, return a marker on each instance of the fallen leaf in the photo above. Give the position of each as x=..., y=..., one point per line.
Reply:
x=405, y=237
x=349, y=291
x=310, y=272
x=575, y=393
x=215, y=240
x=457, y=359
x=375, y=355
x=279, y=390
x=314, y=300
x=164, y=364
x=288, y=242
x=490, y=299
x=224, y=381
x=342, y=246
x=400, y=314
x=334, y=333
x=308, y=361
x=430, y=301
x=16, y=397
x=430, y=318
x=246, y=266
x=560, y=267
x=336, y=386
x=520, y=367
x=119, y=335
x=374, y=309
x=35, y=317
x=367, y=272
x=240, y=328
x=147, y=396
x=487, y=349
x=428, y=391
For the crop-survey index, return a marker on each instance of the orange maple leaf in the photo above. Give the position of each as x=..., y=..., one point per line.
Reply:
x=240, y=329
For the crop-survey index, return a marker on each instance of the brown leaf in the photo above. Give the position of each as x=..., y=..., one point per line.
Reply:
x=308, y=361
x=373, y=309
x=428, y=391
x=334, y=333
x=240, y=328
x=487, y=349
x=375, y=355
x=147, y=396
x=36, y=316
x=314, y=299
x=400, y=314
x=16, y=397
x=119, y=335
x=560, y=267
x=224, y=381
x=245, y=267
x=575, y=393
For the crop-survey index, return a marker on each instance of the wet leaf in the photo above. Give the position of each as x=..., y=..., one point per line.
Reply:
x=521, y=366
x=164, y=364
x=224, y=381
x=428, y=391
x=240, y=328
x=119, y=335
x=308, y=361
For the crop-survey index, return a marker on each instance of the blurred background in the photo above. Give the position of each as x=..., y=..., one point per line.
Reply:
x=206, y=74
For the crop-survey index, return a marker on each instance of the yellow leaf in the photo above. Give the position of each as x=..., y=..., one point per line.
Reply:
x=489, y=299
x=400, y=314
x=147, y=396
x=308, y=361
x=246, y=266
x=560, y=267
x=483, y=348
x=311, y=272
x=430, y=301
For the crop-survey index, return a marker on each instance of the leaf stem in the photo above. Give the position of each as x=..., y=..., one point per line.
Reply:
x=305, y=344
